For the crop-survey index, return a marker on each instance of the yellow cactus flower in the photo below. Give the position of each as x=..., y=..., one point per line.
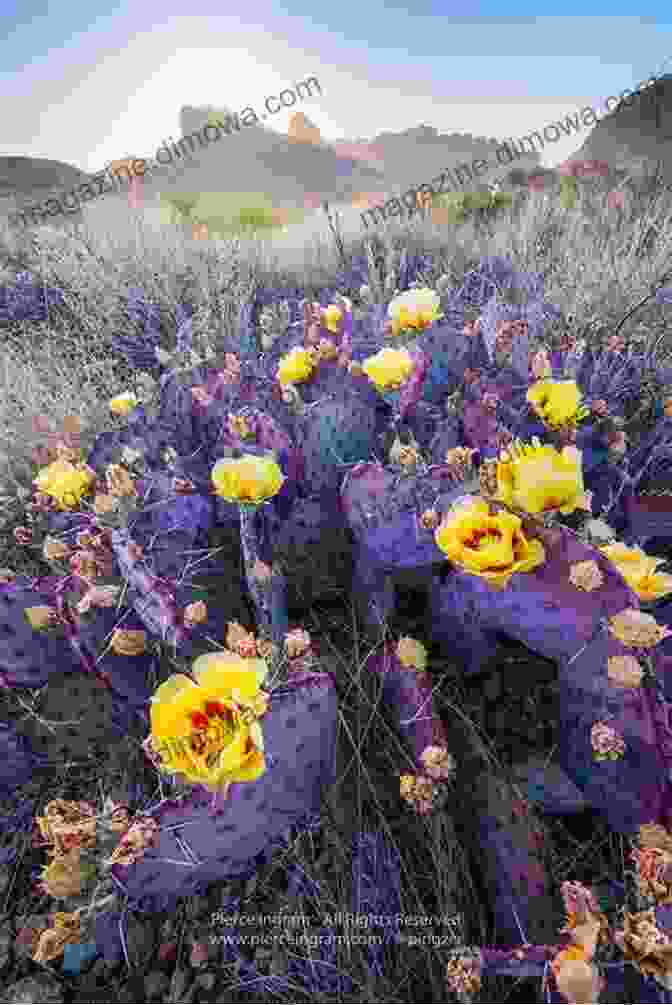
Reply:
x=389, y=368
x=541, y=479
x=557, y=402
x=296, y=366
x=247, y=479
x=414, y=309
x=65, y=482
x=123, y=404
x=493, y=547
x=639, y=571
x=208, y=731
x=332, y=317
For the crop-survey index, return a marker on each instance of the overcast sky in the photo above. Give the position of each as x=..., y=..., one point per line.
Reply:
x=85, y=84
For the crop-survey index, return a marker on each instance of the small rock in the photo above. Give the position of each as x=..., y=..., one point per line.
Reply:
x=31, y=991
x=156, y=985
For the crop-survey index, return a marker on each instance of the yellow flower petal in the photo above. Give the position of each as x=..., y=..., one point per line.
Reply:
x=541, y=479
x=296, y=366
x=248, y=478
x=389, y=368
x=225, y=672
x=557, y=402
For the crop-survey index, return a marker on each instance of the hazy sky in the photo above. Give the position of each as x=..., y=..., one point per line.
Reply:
x=85, y=84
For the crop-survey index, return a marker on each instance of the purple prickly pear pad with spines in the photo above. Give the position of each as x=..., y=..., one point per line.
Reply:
x=228, y=838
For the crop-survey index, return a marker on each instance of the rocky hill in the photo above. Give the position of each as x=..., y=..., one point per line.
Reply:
x=636, y=137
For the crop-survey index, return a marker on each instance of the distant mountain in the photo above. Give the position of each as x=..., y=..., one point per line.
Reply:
x=290, y=168
x=637, y=138
x=25, y=181
x=422, y=153
x=257, y=159
x=299, y=169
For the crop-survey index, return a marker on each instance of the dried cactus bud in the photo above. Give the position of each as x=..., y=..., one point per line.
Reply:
x=239, y=426
x=196, y=613
x=183, y=486
x=297, y=643
x=120, y=819
x=406, y=455
x=261, y=571
x=63, y=876
x=487, y=477
x=54, y=549
x=128, y=642
x=412, y=653
x=41, y=618
x=237, y=636
x=104, y=503
x=430, y=519
x=84, y=565
x=327, y=350
x=438, y=762
x=119, y=482
x=267, y=649
x=23, y=535
x=586, y=576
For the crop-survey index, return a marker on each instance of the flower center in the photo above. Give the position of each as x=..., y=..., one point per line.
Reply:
x=477, y=538
x=212, y=729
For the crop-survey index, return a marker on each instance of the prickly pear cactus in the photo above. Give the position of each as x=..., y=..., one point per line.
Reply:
x=547, y=612
x=336, y=433
x=313, y=547
x=230, y=839
x=407, y=691
x=26, y=655
x=384, y=510
x=18, y=763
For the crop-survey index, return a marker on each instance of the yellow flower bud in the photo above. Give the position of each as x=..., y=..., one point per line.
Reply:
x=123, y=404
